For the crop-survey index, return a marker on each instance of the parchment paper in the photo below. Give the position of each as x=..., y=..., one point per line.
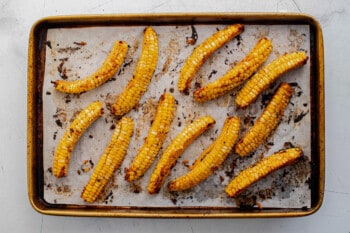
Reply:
x=76, y=52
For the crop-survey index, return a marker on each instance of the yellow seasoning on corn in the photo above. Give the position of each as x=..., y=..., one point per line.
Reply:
x=238, y=74
x=203, y=51
x=154, y=141
x=106, y=71
x=142, y=76
x=267, y=122
x=72, y=135
x=175, y=149
x=111, y=160
x=268, y=75
x=261, y=169
x=209, y=161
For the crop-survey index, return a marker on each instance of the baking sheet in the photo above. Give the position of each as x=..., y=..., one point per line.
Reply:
x=77, y=52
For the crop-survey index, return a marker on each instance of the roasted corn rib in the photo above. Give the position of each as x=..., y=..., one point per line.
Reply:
x=202, y=52
x=72, y=135
x=154, y=141
x=267, y=75
x=214, y=157
x=261, y=169
x=175, y=149
x=267, y=122
x=238, y=74
x=111, y=159
x=106, y=71
x=142, y=75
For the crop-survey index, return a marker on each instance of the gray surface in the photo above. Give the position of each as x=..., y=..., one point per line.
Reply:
x=16, y=214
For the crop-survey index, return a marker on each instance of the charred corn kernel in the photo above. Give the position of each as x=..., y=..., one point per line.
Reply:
x=106, y=71
x=267, y=122
x=154, y=141
x=175, y=149
x=238, y=74
x=142, y=75
x=214, y=157
x=72, y=135
x=261, y=169
x=202, y=52
x=111, y=160
x=267, y=75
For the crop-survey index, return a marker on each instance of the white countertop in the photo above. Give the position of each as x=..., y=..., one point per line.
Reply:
x=17, y=215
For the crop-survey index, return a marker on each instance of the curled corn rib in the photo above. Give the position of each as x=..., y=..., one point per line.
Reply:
x=111, y=159
x=202, y=52
x=175, y=149
x=214, y=157
x=72, y=135
x=261, y=169
x=106, y=71
x=267, y=122
x=154, y=141
x=267, y=75
x=238, y=74
x=142, y=76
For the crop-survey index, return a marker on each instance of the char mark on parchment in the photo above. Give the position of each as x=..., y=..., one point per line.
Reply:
x=62, y=71
x=48, y=43
x=300, y=116
x=265, y=99
x=69, y=50
x=212, y=73
x=81, y=43
x=126, y=63
x=191, y=40
x=239, y=40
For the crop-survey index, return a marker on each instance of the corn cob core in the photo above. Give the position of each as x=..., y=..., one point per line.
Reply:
x=202, y=52
x=154, y=141
x=106, y=71
x=261, y=169
x=142, y=75
x=72, y=135
x=238, y=74
x=111, y=159
x=268, y=75
x=212, y=159
x=267, y=122
x=175, y=149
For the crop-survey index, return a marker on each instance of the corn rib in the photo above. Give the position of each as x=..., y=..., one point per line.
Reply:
x=267, y=122
x=261, y=169
x=142, y=76
x=111, y=160
x=238, y=74
x=175, y=149
x=267, y=75
x=202, y=52
x=214, y=157
x=154, y=141
x=72, y=135
x=106, y=71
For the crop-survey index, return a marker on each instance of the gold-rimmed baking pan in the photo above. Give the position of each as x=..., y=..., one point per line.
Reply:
x=73, y=46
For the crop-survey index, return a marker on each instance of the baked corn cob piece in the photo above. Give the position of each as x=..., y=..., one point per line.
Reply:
x=267, y=75
x=106, y=71
x=72, y=135
x=267, y=122
x=154, y=141
x=142, y=76
x=111, y=160
x=175, y=149
x=203, y=51
x=238, y=74
x=213, y=158
x=261, y=169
